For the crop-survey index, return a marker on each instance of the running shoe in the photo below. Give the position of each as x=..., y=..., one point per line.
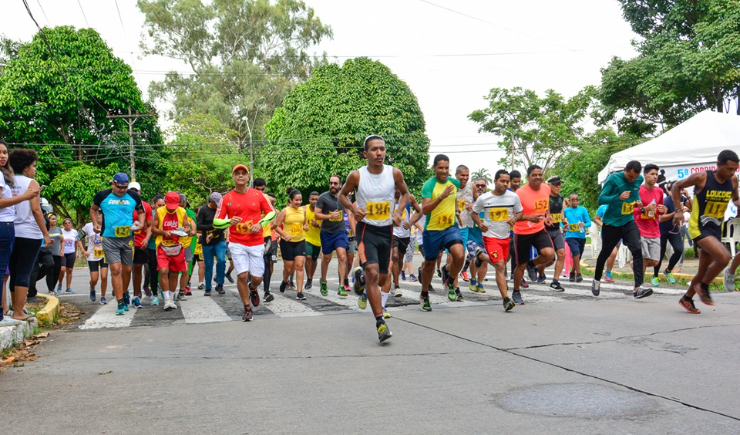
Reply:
x=516, y=296
x=669, y=277
x=446, y=275
x=508, y=304
x=188, y=292
x=324, y=289
x=473, y=286
x=268, y=297
x=524, y=284
x=341, y=292
x=202, y=286
x=300, y=296
x=572, y=277
x=59, y=289
x=346, y=287
x=228, y=276
x=173, y=305
x=125, y=306
x=220, y=289
x=413, y=278
x=52, y=292
x=403, y=275
x=386, y=314
x=398, y=293
x=247, y=316
x=254, y=298
x=451, y=294
x=642, y=292
x=155, y=301
x=439, y=273
x=459, y=294
x=359, y=285
x=309, y=284
x=729, y=280
x=362, y=301
x=283, y=286
x=69, y=290
x=384, y=333
x=425, y=305
x=541, y=278
x=137, y=302
x=532, y=273
x=579, y=277
x=207, y=293
x=180, y=296
x=464, y=276
x=126, y=299
x=478, y=261
x=480, y=288
x=596, y=287
x=555, y=285
x=688, y=305
x=608, y=277
x=290, y=284
x=430, y=289
x=103, y=301
x=92, y=294
x=147, y=291
x=120, y=310
x=705, y=297
x=655, y=281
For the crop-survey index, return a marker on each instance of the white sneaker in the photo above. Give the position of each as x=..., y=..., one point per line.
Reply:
x=173, y=305
x=398, y=293
x=729, y=281
x=169, y=305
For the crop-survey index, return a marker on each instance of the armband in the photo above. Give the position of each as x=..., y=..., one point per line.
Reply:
x=221, y=224
x=269, y=217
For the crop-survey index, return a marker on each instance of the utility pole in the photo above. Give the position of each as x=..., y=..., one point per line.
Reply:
x=511, y=139
x=130, y=119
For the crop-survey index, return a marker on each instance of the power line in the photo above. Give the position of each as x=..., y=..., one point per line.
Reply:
x=42, y=11
x=83, y=13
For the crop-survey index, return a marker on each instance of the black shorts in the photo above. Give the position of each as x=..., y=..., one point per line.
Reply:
x=197, y=258
x=522, y=244
x=374, y=245
x=291, y=250
x=68, y=260
x=271, y=251
x=141, y=256
x=402, y=243
x=95, y=266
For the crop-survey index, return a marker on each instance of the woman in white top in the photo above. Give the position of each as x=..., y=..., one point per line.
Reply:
x=30, y=229
x=70, y=243
x=7, y=218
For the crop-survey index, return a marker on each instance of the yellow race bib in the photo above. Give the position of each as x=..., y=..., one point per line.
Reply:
x=574, y=228
x=294, y=229
x=461, y=204
x=715, y=209
x=628, y=207
x=541, y=205
x=338, y=218
x=557, y=218
x=498, y=214
x=445, y=220
x=378, y=211
x=98, y=253
x=122, y=231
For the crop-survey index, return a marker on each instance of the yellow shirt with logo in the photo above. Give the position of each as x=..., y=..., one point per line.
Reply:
x=293, y=223
x=443, y=216
x=313, y=236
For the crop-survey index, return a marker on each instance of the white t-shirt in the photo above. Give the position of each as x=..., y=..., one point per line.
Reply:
x=69, y=240
x=7, y=214
x=25, y=223
x=94, y=243
x=498, y=210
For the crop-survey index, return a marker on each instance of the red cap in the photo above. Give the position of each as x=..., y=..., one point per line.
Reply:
x=237, y=167
x=172, y=200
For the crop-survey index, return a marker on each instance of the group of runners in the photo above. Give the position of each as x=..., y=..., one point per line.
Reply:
x=368, y=218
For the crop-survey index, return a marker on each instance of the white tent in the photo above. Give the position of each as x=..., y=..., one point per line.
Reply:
x=690, y=147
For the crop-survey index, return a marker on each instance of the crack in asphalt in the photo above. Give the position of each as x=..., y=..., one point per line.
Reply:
x=510, y=351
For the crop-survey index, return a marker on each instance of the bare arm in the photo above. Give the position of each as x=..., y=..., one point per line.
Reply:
x=25, y=196
x=697, y=180
x=38, y=215
x=94, y=217
x=352, y=182
x=279, y=229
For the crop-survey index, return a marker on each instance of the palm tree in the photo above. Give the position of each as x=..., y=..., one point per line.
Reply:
x=481, y=173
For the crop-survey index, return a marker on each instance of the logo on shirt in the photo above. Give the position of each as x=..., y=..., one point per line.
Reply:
x=118, y=202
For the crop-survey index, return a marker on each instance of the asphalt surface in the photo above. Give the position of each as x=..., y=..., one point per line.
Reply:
x=562, y=363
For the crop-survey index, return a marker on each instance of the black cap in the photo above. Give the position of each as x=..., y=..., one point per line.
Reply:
x=554, y=180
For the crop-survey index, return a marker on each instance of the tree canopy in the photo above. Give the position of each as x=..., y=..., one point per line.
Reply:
x=320, y=129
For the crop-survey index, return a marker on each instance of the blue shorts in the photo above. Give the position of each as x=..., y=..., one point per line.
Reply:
x=330, y=242
x=576, y=245
x=472, y=244
x=436, y=241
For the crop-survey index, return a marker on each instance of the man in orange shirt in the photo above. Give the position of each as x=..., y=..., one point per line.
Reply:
x=529, y=230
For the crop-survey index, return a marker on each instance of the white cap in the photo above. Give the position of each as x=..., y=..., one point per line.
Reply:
x=134, y=185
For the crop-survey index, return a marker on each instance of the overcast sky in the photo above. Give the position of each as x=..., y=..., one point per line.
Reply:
x=450, y=53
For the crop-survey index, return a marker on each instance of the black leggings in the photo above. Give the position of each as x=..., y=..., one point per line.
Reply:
x=630, y=236
x=52, y=278
x=44, y=266
x=152, y=278
x=22, y=260
x=677, y=244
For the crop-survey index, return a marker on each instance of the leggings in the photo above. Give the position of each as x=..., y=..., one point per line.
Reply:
x=677, y=243
x=153, y=274
x=630, y=236
x=22, y=260
x=267, y=276
x=52, y=278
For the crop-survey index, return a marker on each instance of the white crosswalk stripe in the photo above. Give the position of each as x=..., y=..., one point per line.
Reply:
x=106, y=317
x=203, y=310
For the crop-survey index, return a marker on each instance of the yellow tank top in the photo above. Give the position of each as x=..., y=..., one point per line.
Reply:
x=313, y=236
x=293, y=223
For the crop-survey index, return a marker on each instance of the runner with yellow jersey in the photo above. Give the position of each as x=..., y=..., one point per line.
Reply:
x=313, y=239
x=291, y=226
x=439, y=195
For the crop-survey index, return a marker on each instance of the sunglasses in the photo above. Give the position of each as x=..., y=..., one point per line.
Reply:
x=676, y=230
x=480, y=185
x=121, y=186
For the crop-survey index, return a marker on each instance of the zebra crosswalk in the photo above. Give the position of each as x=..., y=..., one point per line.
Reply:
x=198, y=309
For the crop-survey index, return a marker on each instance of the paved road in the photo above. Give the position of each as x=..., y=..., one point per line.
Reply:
x=564, y=362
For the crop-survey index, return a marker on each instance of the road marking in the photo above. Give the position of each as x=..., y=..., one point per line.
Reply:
x=285, y=306
x=106, y=317
x=203, y=310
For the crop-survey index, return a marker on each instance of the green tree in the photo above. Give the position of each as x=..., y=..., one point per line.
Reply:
x=481, y=173
x=57, y=103
x=74, y=189
x=200, y=157
x=538, y=130
x=688, y=61
x=245, y=56
x=320, y=129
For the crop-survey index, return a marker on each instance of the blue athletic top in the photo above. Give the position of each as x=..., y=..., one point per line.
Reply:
x=118, y=212
x=574, y=216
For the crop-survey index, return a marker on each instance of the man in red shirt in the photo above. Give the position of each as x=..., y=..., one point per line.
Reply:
x=141, y=240
x=647, y=218
x=243, y=208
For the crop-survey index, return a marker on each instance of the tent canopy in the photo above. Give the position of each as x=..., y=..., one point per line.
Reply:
x=694, y=143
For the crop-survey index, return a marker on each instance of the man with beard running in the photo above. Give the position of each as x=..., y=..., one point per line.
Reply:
x=330, y=212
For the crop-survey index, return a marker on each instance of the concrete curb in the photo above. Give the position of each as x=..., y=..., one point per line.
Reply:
x=14, y=334
x=47, y=315
x=686, y=276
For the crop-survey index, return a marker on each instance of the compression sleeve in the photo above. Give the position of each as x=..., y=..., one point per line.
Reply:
x=220, y=224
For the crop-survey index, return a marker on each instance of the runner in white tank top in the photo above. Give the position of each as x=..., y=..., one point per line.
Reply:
x=375, y=185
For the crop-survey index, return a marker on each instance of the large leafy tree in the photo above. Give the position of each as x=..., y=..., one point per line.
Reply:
x=320, y=128
x=536, y=129
x=689, y=61
x=245, y=55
